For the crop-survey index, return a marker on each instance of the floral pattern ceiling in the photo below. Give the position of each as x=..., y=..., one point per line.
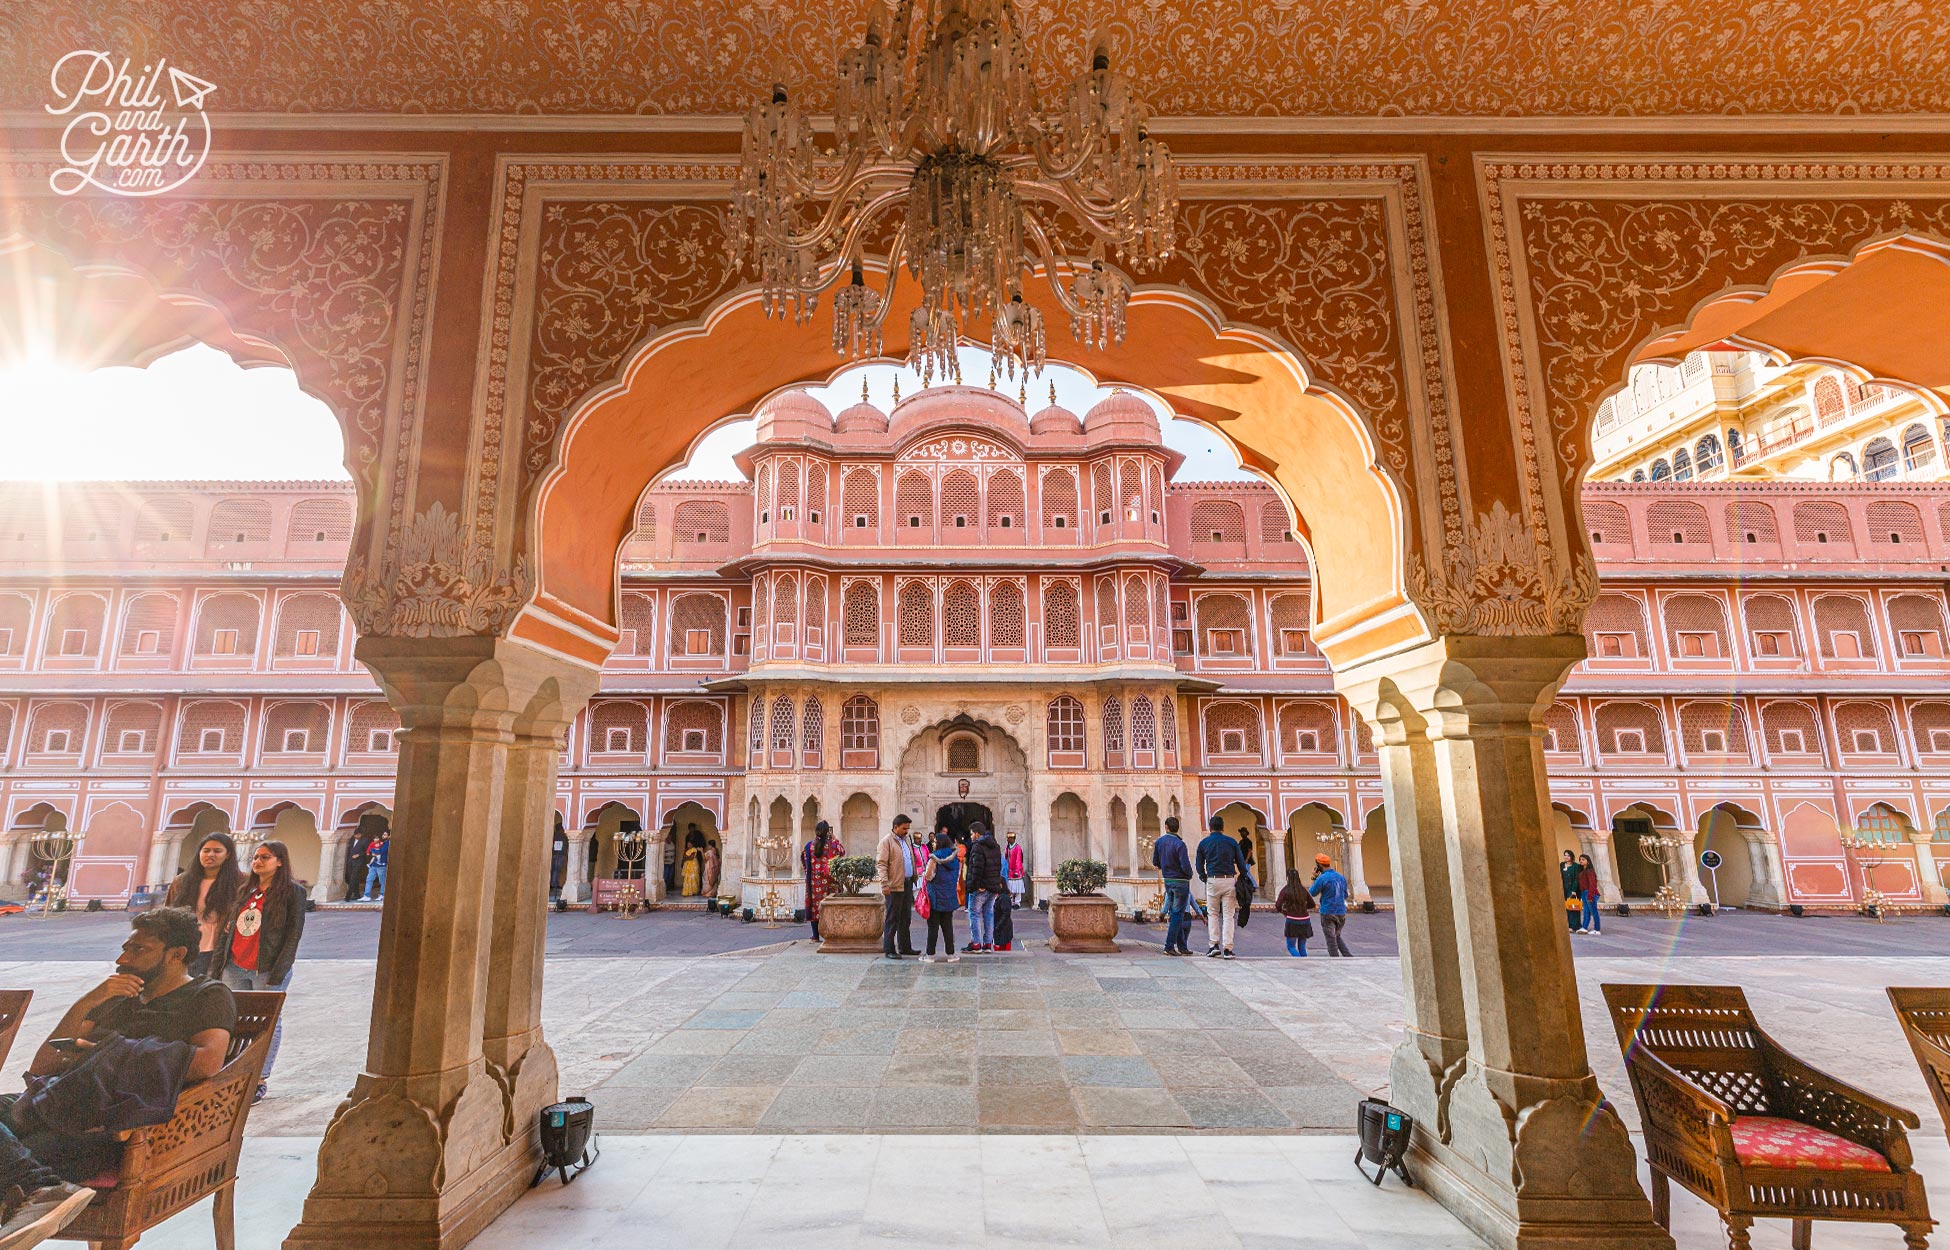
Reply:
x=1213, y=58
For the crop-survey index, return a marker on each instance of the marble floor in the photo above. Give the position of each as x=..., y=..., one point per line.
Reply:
x=1031, y=1099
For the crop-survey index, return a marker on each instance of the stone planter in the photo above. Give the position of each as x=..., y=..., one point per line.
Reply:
x=1083, y=924
x=850, y=925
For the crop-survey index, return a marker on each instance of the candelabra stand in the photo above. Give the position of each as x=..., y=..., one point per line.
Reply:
x=1658, y=849
x=1874, y=902
x=775, y=852
x=55, y=849
x=1338, y=840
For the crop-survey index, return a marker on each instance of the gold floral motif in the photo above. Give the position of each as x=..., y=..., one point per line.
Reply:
x=1274, y=58
x=610, y=273
x=1606, y=271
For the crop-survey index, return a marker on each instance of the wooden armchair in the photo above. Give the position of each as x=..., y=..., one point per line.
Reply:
x=1752, y=1130
x=167, y=1167
x=13, y=1009
x=1925, y=1014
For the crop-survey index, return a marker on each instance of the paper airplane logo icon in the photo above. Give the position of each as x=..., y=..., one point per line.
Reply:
x=190, y=89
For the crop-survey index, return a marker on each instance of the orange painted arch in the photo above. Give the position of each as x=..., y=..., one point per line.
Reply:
x=1245, y=384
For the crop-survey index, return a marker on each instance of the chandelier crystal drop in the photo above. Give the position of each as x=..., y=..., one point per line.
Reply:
x=943, y=158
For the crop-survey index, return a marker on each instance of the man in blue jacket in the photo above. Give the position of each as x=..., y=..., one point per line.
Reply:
x=1174, y=863
x=1219, y=865
x=1330, y=888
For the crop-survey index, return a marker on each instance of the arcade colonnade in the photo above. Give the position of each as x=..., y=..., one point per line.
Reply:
x=516, y=340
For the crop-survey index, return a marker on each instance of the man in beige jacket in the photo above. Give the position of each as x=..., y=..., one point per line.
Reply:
x=894, y=866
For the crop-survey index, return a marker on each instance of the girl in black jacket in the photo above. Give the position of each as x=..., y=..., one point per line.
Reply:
x=261, y=942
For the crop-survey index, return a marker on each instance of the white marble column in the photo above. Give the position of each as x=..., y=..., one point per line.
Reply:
x=1928, y=875
x=1604, y=862
x=331, y=870
x=1769, y=889
x=157, y=875
x=1357, y=871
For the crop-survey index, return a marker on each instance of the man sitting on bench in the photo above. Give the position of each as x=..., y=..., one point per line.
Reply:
x=150, y=998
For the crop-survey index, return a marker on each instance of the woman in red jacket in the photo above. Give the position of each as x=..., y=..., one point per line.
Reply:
x=1588, y=894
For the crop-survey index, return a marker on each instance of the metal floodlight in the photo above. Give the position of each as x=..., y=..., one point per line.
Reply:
x=1796, y=909
x=1384, y=1133
x=568, y=1139
x=748, y=915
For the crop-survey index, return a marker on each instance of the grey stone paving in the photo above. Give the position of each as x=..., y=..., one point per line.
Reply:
x=1004, y=1043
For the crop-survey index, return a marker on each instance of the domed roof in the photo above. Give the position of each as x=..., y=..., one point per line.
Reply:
x=861, y=418
x=1121, y=406
x=1056, y=419
x=797, y=404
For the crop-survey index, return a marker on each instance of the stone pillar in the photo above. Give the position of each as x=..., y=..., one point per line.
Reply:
x=653, y=861
x=575, y=873
x=1357, y=871
x=1769, y=889
x=1533, y=1157
x=331, y=870
x=1685, y=874
x=417, y=1156
x=518, y=1057
x=1604, y=862
x=1929, y=877
x=12, y=865
x=1431, y=1053
x=157, y=875
x=1272, y=863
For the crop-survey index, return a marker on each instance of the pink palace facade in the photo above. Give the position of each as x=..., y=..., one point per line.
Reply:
x=958, y=602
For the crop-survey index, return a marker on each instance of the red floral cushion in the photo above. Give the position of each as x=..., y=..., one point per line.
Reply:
x=1766, y=1141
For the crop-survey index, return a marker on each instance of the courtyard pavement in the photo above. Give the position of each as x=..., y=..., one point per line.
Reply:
x=1042, y=1099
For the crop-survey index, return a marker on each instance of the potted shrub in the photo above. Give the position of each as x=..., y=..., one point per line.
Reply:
x=1082, y=918
x=849, y=918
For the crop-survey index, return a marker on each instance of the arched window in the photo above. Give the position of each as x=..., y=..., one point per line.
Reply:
x=1059, y=500
x=914, y=504
x=297, y=729
x=1771, y=629
x=1144, y=726
x=766, y=472
x=133, y=728
x=1734, y=445
x=210, y=727
x=1168, y=724
x=1005, y=615
x=372, y=728
x=1290, y=624
x=789, y=490
x=961, y=616
x=862, y=614
x=1630, y=729
x=1608, y=523
x=1706, y=453
x=1638, y=475
x=227, y=626
x=1661, y=470
x=812, y=729
x=697, y=626
x=1113, y=728
x=1879, y=462
x=1101, y=490
x=964, y=755
x=695, y=726
x=1218, y=521
x=149, y=625
x=1713, y=728
x=1842, y=467
x=1929, y=722
x=861, y=500
x=617, y=725
x=1865, y=729
x=860, y=730
x=785, y=600
x=1232, y=728
x=816, y=492
x=1828, y=400
x=1061, y=627
x=1751, y=521
x=960, y=502
x=758, y=731
x=701, y=521
x=917, y=615
x=1682, y=466
x=782, y=721
x=1883, y=824
x=638, y=617
x=1225, y=626
x=1005, y=502
x=1790, y=728
x=1063, y=725
x=1308, y=729
x=1842, y=626
x=1614, y=628
x=1106, y=603
x=1919, y=449
x=1917, y=622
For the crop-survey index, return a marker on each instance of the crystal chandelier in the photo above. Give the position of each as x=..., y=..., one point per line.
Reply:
x=937, y=124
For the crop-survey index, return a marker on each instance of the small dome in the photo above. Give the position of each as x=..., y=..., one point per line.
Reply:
x=1056, y=419
x=861, y=418
x=796, y=406
x=1121, y=406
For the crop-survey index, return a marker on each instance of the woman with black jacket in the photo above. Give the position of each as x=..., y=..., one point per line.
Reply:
x=261, y=943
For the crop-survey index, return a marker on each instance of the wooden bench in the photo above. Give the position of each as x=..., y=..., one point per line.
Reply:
x=1752, y=1130
x=167, y=1167
x=13, y=1009
x=1925, y=1014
